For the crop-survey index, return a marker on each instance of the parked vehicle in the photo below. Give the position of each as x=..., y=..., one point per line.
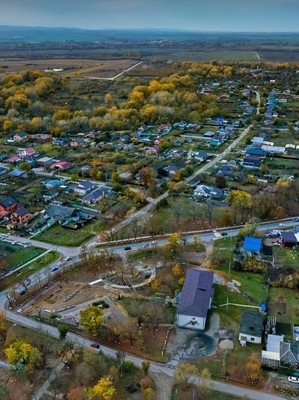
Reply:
x=95, y=345
x=294, y=379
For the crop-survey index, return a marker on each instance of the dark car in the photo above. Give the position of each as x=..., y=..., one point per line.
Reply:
x=95, y=345
x=127, y=248
x=223, y=233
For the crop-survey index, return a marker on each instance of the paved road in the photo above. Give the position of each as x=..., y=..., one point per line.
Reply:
x=155, y=368
x=74, y=253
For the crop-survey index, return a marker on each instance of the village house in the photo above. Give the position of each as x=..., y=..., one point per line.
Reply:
x=20, y=216
x=7, y=205
x=251, y=327
x=195, y=299
x=60, y=166
x=26, y=153
x=82, y=187
x=96, y=195
x=20, y=136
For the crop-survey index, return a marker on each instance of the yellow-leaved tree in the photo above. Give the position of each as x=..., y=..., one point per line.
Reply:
x=21, y=352
x=104, y=389
x=91, y=319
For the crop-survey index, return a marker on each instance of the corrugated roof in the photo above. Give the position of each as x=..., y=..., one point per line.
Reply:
x=252, y=244
x=196, y=293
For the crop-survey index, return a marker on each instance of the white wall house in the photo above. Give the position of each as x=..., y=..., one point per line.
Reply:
x=251, y=327
x=195, y=300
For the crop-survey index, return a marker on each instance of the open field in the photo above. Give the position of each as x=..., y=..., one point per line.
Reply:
x=77, y=67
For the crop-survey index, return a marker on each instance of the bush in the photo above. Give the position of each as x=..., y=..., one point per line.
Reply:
x=101, y=303
x=128, y=366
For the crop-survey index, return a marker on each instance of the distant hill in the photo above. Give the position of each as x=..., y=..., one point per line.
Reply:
x=22, y=34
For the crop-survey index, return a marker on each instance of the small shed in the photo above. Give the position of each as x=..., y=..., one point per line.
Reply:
x=288, y=239
x=252, y=244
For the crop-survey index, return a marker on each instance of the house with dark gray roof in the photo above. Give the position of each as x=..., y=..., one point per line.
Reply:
x=251, y=327
x=289, y=353
x=58, y=212
x=195, y=299
x=82, y=187
x=97, y=194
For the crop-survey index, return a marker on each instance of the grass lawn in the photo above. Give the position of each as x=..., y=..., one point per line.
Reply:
x=230, y=315
x=283, y=304
x=32, y=267
x=288, y=259
x=66, y=237
x=13, y=255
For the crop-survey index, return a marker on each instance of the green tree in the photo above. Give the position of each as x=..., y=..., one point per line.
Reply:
x=63, y=330
x=145, y=366
x=249, y=229
x=4, y=392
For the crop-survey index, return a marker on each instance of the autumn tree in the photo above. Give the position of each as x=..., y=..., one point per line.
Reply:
x=253, y=367
x=184, y=374
x=173, y=245
x=91, y=319
x=23, y=353
x=3, y=324
x=241, y=201
x=147, y=176
x=249, y=229
x=204, y=385
x=77, y=393
x=104, y=389
x=154, y=315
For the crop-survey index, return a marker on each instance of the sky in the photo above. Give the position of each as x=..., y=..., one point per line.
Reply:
x=193, y=15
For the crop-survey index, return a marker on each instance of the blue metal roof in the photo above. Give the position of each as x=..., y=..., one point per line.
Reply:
x=252, y=244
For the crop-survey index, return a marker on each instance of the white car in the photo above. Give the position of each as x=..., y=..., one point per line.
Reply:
x=294, y=379
x=281, y=225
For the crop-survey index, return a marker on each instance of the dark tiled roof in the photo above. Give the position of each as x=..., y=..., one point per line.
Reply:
x=21, y=211
x=251, y=323
x=58, y=211
x=8, y=201
x=196, y=294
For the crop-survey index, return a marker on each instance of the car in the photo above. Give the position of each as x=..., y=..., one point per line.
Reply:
x=54, y=268
x=128, y=248
x=294, y=379
x=296, y=219
x=281, y=225
x=223, y=233
x=273, y=234
x=95, y=345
